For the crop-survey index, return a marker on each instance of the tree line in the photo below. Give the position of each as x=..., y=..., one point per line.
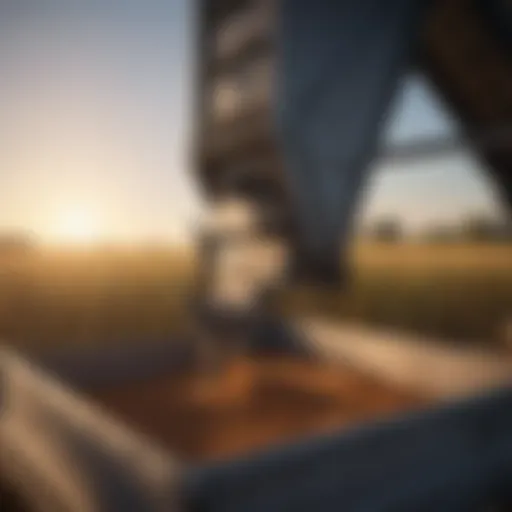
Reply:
x=473, y=228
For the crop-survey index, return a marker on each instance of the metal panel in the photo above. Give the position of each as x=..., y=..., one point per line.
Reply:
x=340, y=63
x=456, y=458
x=470, y=64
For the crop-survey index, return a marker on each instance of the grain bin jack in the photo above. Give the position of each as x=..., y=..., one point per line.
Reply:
x=293, y=98
x=335, y=66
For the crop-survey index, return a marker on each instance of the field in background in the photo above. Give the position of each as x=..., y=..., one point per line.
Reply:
x=459, y=292
x=462, y=292
x=96, y=297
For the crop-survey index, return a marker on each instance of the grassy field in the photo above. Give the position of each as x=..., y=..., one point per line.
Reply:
x=461, y=292
x=98, y=297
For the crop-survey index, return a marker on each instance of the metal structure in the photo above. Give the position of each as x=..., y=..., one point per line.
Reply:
x=293, y=136
x=290, y=119
x=290, y=113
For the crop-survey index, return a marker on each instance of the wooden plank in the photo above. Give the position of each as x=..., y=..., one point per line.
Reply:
x=52, y=440
x=434, y=367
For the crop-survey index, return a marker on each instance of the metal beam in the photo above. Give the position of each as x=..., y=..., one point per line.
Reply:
x=339, y=67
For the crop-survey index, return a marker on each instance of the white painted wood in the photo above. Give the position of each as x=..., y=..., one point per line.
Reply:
x=439, y=369
x=53, y=438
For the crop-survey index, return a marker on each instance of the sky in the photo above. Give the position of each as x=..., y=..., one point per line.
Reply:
x=95, y=117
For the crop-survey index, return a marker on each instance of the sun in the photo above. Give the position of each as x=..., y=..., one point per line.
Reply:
x=79, y=226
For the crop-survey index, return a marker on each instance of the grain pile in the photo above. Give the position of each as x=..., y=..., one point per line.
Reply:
x=252, y=404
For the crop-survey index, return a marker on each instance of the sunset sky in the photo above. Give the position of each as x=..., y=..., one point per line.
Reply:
x=95, y=121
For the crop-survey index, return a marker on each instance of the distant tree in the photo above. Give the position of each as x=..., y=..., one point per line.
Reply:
x=505, y=231
x=481, y=228
x=16, y=244
x=441, y=234
x=386, y=230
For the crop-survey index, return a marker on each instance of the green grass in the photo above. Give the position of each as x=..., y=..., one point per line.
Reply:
x=458, y=292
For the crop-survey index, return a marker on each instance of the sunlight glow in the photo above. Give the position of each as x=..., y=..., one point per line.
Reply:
x=79, y=226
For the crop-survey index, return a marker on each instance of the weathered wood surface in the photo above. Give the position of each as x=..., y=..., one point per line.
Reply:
x=438, y=368
x=64, y=453
x=69, y=454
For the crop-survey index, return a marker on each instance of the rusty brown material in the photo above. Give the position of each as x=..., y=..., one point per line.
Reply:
x=253, y=404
